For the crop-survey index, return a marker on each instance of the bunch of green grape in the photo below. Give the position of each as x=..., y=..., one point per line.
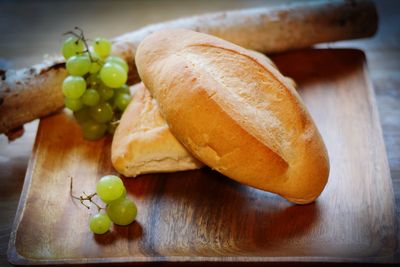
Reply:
x=95, y=89
x=120, y=209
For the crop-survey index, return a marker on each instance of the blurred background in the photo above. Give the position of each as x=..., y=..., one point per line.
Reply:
x=31, y=29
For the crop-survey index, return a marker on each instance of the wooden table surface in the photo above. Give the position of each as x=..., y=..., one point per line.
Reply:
x=30, y=30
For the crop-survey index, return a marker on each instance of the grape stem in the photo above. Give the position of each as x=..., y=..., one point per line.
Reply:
x=86, y=197
x=81, y=37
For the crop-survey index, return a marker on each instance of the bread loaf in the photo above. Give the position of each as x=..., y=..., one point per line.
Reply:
x=235, y=113
x=143, y=142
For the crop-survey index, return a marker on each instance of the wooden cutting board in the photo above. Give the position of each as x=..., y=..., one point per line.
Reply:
x=202, y=216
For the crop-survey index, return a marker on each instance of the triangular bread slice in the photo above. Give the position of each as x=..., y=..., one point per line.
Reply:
x=143, y=142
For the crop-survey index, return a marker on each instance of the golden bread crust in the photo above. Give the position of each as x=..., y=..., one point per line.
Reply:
x=235, y=112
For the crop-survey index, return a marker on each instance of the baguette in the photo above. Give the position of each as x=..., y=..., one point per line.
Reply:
x=36, y=91
x=235, y=113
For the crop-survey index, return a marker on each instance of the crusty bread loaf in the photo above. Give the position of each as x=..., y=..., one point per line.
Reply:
x=236, y=114
x=136, y=151
x=143, y=142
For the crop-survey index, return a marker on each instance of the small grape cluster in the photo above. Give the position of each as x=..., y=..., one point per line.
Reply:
x=96, y=89
x=119, y=210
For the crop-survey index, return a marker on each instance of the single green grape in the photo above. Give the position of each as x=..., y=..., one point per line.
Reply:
x=102, y=47
x=122, y=211
x=94, y=67
x=123, y=89
x=119, y=61
x=93, y=130
x=78, y=65
x=72, y=46
x=102, y=113
x=99, y=223
x=73, y=87
x=105, y=92
x=93, y=81
x=91, y=97
x=96, y=62
x=121, y=197
x=121, y=101
x=113, y=75
x=95, y=56
x=110, y=188
x=82, y=115
x=73, y=104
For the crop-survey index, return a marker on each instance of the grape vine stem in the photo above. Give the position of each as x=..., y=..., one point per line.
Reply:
x=86, y=197
x=81, y=37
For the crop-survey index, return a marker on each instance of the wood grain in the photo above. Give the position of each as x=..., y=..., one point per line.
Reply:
x=202, y=216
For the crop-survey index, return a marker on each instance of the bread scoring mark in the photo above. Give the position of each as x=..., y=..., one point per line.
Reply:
x=261, y=60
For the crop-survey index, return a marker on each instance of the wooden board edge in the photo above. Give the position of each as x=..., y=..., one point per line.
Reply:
x=385, y=160
x=183, y=260
x=15, y=258
x=12, y=254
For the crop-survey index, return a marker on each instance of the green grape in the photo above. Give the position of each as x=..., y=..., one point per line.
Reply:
x=82, y=115
x=95, y=56
x=122, y=100
x=113, y=75
x=102, y=47
x=73, y=104
x=123, y=89
x=102, y=113
x=93, y=130
x=73, y=87
x=94, y=67
x=91, y=97
x=110, y=188
x=72, y=46
x=93, y=81
x=99, y=223
x=78, y=65
x=105, y=92
x=119, y=61
x=123, y=196
x=122, y=211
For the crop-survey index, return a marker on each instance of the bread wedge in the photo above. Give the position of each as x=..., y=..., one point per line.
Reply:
x=143, y=143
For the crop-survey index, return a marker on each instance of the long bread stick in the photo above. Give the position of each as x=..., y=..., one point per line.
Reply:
x=35, y=92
